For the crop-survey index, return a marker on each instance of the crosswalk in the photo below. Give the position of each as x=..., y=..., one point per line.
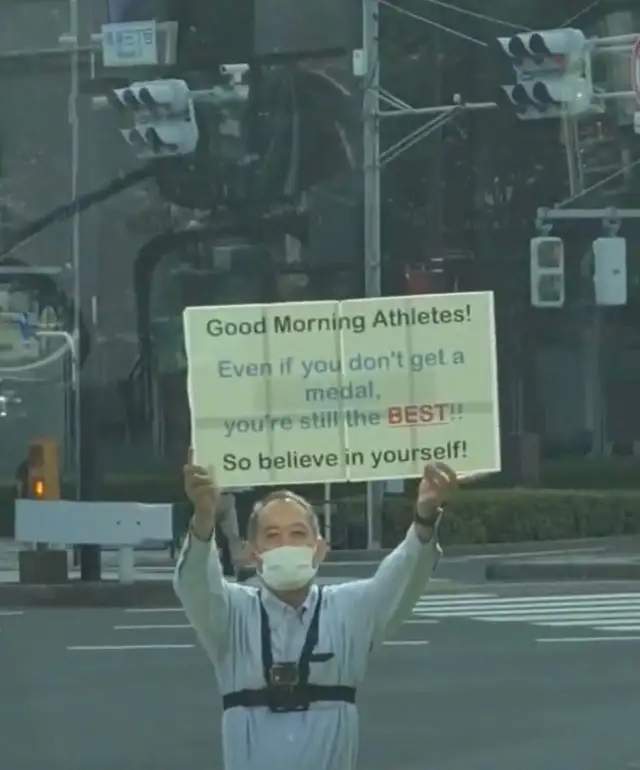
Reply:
x=608, y=612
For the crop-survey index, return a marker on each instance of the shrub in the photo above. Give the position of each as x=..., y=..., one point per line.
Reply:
x=518, y=515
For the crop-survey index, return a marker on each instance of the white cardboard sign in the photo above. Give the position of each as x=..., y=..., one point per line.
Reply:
x=343, y=391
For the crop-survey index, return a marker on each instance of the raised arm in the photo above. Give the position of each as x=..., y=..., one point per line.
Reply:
x=389, y=596
x=198, y=579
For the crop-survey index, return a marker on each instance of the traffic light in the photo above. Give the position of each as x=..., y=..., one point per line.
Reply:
x=610, y=271
x=552, y=73
x=43, y=472
x=161, y=115
x=547, y=272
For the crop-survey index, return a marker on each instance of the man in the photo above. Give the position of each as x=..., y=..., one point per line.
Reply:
x=234, y=555
x=22, y=480
x=228, y=534
x=290, y=655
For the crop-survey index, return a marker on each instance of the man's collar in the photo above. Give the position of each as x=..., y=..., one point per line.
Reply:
x=271, y=601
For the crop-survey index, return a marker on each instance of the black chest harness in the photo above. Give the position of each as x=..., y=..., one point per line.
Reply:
x=287, y=684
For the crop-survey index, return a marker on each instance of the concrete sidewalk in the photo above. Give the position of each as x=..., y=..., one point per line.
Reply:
x=617, y=559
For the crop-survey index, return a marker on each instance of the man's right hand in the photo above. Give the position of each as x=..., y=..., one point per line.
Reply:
x=203, y=493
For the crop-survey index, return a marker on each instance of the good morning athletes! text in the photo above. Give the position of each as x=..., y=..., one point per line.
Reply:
x=288, y=324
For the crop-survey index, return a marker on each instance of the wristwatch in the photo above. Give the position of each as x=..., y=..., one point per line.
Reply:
x=195, y=534
x=432, y=522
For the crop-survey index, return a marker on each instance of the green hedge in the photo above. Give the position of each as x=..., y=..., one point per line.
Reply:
x=476, y=516
x=519, y=515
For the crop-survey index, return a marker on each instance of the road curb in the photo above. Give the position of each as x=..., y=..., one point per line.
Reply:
x=144, y=595
x=506, y=571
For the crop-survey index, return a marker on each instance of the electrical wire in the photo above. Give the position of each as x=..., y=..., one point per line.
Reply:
x=77, y=206
x=442, y=27
x=599, y=184
x=391, y=153
x=476, y=15
x=590, y=7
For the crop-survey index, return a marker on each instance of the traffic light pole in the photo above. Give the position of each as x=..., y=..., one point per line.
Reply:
x=75, y=227
x=372, y=240
x=592, y=328
x=373, y=162
x=89, y=554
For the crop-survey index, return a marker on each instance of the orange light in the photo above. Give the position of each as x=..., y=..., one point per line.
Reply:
x=44, y=471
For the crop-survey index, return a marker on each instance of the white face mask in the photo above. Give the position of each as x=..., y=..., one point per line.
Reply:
x=288, y=567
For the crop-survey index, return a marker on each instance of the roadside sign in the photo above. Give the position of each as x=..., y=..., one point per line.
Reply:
x=130, y=44
x=635, y=69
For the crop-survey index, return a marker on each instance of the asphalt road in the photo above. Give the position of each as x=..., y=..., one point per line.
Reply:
x=531, y=677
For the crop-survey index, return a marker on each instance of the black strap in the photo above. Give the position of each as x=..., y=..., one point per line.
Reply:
x=312, y=692
x=310, y=642
x=316, y=692
x=307, y=649
x=265, y=634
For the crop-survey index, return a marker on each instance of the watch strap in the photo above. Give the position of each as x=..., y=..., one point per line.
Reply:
x=431, y=521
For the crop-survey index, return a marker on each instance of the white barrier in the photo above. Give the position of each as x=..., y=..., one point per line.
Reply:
x=124, y=525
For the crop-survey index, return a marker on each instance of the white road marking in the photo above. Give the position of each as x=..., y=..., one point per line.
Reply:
x=605, y=611
x=10, y=613
x=153, y=627
x=524, y=600
x=407, y=643
x=593, y=623
x=124, y=647
x=455, y=597
x=543, y=620
x=535, y=613
x=422, y=622
x=620, y=628
x=475, y=557
x=155, y=609
x=579, y=639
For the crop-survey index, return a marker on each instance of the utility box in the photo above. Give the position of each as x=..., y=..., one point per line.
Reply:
x=43, y=567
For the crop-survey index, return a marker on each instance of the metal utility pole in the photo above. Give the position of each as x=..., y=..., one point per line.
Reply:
x=591, y=333
x=75, y=238
x=372, y=246
x=374, y=160
x=89, y=554
x=372, y=242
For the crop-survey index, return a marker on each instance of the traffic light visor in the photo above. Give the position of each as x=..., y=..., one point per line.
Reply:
x=550, y=254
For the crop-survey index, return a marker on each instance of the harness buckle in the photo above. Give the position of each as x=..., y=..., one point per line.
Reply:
x=284, y=691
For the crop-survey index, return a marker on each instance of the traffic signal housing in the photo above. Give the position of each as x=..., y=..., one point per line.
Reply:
x=160, y=115
x=43, y=470
x=547, y=272
x=552, y=73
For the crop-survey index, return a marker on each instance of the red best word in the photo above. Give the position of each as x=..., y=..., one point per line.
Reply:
x=419, y=414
